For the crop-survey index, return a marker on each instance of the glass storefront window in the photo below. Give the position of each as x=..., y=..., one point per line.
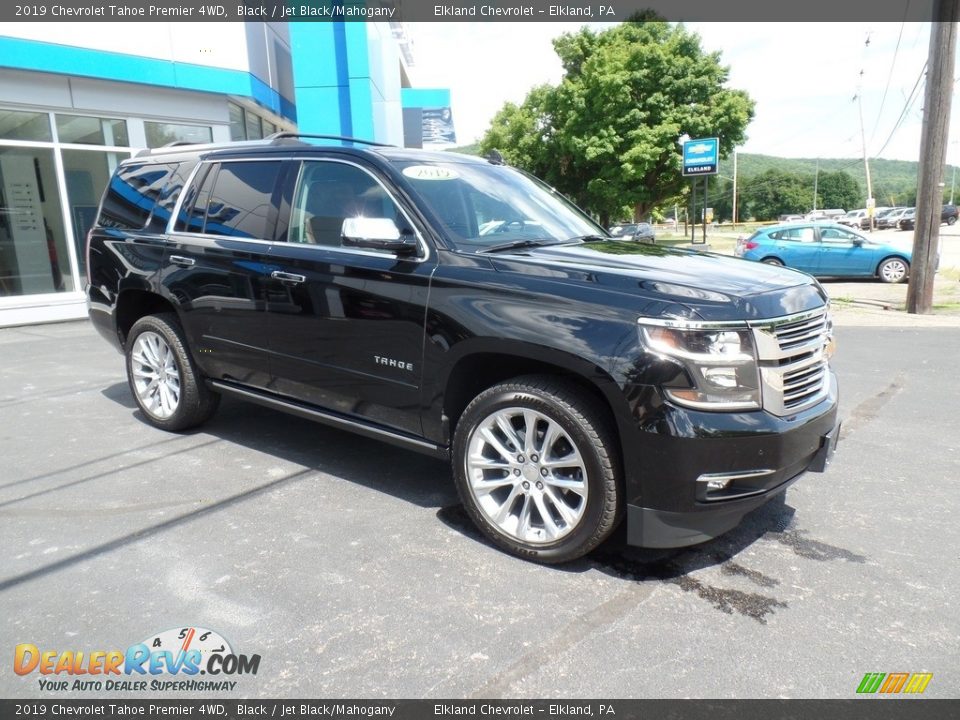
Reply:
x=238, y=127
x=160, y=134
x=268, y=128
x=254, y=131
x=87, y=173
x=34, y=258
x=85, y=130
x=17, y=125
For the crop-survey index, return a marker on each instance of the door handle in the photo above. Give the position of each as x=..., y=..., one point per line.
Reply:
x=182, y=261
x=288, y=277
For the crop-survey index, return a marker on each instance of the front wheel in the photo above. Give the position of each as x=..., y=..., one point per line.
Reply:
x=166, y=384
x=536, y=467
x=951, y=220
x=893, y=270
x=772, y=261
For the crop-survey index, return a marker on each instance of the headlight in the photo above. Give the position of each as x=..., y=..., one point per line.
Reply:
x=719, y=359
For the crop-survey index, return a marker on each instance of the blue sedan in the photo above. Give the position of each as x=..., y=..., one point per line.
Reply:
x=827, y=250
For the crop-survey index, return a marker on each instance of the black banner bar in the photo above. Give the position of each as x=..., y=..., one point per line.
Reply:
x=865, y=708
x=738, y=11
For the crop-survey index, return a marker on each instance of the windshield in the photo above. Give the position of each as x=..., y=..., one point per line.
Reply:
x=481, y=206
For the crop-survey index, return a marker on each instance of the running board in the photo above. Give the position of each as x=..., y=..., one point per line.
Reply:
x=332, y=419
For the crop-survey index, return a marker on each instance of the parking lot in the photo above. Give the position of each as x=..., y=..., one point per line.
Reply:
x=347, y=565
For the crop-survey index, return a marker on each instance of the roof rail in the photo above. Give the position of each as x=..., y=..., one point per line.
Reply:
x=287, y=134
x=177, y=143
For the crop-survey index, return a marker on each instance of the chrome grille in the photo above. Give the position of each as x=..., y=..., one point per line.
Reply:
x=798, y=333
x=793, y=362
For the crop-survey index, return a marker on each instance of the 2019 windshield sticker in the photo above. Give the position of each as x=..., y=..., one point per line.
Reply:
x=430, y=172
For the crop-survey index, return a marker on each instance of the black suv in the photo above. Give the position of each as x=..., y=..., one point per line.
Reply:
x=460, y=307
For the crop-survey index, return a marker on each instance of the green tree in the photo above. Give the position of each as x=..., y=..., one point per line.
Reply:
x=607, y=134
x=774, y=193
x=839, y=190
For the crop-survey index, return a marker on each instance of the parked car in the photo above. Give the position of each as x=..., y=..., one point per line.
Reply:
x=827, y=250
x=892, y=218
x=906, y=221
x=948, y=215
x=572, y=380
x=829, y=215
x=877, y=214
x=853, y=218
x=639, y=232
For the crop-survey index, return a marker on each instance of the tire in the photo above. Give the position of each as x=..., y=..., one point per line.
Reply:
x=166, y=384
x=553, y=498
x=893, y=270
x=951, y=220
x=772, y=261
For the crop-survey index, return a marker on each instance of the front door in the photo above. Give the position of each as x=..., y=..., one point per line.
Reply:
x=347, y=325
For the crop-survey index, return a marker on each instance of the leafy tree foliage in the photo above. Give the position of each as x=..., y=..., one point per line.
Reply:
x=607, y=134
x=838, y=190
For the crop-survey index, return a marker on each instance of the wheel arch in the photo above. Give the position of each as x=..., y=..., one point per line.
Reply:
x=474, y=372
x=891, y=256
x=135, y=303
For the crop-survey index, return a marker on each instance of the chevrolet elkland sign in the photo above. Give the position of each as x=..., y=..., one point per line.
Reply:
x=700, y=157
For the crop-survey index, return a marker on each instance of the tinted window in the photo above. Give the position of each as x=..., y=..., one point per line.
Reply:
x=327, y=194
x=132, y=194
x=240, y=202
x=168, y=197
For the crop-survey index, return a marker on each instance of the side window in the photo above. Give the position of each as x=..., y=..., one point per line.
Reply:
x=194, y=207
x=169, y=195
x=835, y=235
x=328, y=193
x=240, y=203
x=133, y=193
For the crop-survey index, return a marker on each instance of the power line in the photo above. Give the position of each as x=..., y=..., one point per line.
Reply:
x=893, y=63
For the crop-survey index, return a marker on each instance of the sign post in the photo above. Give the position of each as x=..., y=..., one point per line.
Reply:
x=701, y=157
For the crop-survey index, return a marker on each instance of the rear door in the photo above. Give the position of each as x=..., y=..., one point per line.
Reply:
x=797, y=247
x=216, y=268
x=347, y=324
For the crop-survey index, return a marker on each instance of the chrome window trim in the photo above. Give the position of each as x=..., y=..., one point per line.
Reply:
x=422, y=244
x=169, y=230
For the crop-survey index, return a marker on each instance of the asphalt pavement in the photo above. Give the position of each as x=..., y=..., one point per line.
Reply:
x=347, y=565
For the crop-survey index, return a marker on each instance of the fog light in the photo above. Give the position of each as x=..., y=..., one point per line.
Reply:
x=718, y=483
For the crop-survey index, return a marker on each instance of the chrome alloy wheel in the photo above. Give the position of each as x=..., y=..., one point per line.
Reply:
x=156, y=376
x=893, y=271
x=527, y=475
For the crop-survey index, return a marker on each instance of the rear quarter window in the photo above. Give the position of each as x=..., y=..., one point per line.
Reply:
x=133, y=193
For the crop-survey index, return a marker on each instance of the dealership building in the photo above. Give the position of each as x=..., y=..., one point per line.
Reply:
x=77, y=99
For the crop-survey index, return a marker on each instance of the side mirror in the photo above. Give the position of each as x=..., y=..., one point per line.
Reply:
x=858, y=242
x=377, y=234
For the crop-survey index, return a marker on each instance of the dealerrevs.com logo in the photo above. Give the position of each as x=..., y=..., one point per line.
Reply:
x=168, y=661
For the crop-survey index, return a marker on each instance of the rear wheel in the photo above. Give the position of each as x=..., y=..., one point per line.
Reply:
x=951, y=220
x=772, y=261
x=536, y=468
x=165, y=383
x=893, y=270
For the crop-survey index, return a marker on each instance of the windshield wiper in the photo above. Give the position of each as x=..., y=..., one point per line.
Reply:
x=524, y=243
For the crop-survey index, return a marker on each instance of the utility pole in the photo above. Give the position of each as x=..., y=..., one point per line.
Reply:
x=866, y=163
x=933, y=154
x=816, y=179
x=734, y=189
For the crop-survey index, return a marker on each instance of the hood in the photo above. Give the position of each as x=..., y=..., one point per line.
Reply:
x=713, y=286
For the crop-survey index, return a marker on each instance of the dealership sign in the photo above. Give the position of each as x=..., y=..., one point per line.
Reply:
x=701, y=156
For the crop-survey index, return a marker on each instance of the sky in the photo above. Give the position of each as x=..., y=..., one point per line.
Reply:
x=803, y=77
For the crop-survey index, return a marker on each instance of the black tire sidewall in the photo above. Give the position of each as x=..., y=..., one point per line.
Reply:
x=568, y=547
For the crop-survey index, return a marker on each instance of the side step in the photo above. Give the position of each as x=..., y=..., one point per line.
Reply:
x=330, y=418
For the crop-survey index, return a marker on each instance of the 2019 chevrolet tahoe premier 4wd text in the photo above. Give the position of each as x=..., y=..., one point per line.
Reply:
x=460, y=307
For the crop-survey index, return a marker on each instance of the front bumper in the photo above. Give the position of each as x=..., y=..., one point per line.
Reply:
x=758, y=456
